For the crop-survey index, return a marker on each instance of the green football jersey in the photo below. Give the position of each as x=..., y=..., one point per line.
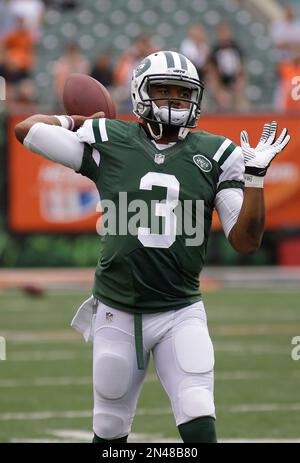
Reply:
x=161, y=201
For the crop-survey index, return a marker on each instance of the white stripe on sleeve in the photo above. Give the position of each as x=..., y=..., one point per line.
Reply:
x=102, y=128
x=222, y=148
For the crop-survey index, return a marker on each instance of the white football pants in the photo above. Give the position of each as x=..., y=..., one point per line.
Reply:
x=183, y=357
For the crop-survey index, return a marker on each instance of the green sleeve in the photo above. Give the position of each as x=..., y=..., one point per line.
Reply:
x=89, y=167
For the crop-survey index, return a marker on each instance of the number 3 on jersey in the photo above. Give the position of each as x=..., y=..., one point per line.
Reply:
x=166, y=210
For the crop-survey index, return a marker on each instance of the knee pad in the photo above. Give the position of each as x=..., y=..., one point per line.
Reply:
x=111, y=424
x=193, y=348
x=113, y=371
x=196, y=401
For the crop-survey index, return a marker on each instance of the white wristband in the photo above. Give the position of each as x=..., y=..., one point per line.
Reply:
x=253, y=181
x=67, y=122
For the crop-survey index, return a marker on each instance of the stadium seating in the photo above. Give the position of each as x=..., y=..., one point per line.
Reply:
x=114, y=24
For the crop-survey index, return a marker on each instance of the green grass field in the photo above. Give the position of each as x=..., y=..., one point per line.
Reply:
x=45, y=383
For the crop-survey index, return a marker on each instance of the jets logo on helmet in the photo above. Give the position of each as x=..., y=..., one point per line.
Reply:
x=167, y=68
x=143, y=67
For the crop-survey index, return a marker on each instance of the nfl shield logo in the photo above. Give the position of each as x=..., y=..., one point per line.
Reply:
x=109, y=316
x=159, y=158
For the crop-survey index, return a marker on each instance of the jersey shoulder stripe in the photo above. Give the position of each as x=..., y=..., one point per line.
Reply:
x=222, y=148
x=116, y=131
x=224, y=151
x=216, y=147
x=229, y=151
x=99, y=129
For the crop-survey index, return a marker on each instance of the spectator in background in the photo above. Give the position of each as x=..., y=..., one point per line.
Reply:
x=32, y=11
x=226, y=72
x=196, y=48
x=103, y=69
x=19, y=49
x=12, y=74
x=142, y=47
x=7, y=18
x=285, y=35
x=16, y=60
x=72, y=61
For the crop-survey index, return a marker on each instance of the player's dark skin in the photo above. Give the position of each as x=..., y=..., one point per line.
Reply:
x=22, y=129
x=246, y=235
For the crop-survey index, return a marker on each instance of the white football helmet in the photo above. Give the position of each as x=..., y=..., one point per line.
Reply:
x=169, y=68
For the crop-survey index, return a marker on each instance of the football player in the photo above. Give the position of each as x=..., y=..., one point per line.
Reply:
x=146, y=295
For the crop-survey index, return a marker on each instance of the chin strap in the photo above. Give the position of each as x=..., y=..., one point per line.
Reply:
x=182, y=133
x=156, y=137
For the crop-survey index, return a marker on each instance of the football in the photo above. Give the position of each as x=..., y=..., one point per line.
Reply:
x=85, y=96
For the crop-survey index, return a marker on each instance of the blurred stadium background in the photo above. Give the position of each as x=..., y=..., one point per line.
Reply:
x=48, y=241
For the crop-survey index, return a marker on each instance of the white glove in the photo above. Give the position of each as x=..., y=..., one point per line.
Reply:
x=257, y=160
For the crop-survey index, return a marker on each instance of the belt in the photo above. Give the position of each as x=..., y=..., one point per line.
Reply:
x=138, y=334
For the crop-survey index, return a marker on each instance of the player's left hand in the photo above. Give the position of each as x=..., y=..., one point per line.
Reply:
x=258, y=159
